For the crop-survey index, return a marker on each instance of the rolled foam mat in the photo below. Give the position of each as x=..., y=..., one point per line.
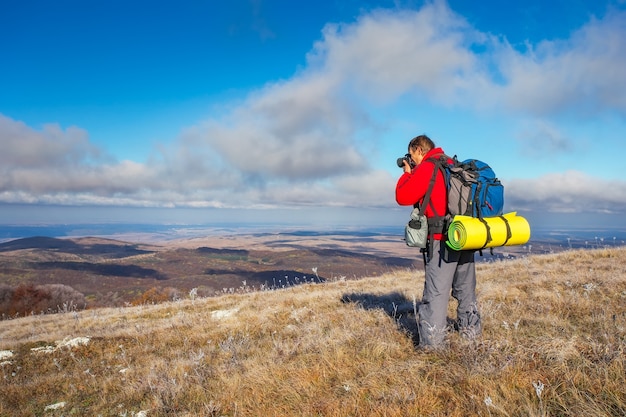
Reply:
x=467, y=232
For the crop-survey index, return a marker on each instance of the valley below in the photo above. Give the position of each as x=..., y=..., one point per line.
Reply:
x=111, y=272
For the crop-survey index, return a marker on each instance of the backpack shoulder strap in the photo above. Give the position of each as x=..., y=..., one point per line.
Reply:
x=437, y=222
x=438, y=161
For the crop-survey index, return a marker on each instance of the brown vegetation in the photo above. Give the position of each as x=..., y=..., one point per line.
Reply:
x=28, y=299
x=554, y=345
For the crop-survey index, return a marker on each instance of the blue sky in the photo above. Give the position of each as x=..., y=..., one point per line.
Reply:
x=284, y=111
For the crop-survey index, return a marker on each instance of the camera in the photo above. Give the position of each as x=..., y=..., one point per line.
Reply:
x=407, y=158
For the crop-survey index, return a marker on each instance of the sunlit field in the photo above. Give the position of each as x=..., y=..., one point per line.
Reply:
x=553, y=344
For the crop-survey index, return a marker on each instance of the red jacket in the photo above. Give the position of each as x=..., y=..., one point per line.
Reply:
x=411, y=188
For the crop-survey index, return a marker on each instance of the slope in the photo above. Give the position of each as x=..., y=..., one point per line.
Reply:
x=553, y=344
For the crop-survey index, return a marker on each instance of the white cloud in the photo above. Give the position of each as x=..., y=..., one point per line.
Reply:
x=583, y=73
x=388, y=54
x=433, y=54
x=24, y=147
x=188, y=175
x=567, y=192
x=298, y=129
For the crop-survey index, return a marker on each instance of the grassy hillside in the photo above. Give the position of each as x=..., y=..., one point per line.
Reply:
x=554, y=345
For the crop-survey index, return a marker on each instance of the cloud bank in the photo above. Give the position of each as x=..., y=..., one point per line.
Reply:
x=304, y=141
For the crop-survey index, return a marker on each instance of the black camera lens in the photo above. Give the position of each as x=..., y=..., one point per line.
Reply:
x=407, y=158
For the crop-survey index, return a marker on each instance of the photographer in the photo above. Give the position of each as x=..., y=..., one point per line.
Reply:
x=446, y=270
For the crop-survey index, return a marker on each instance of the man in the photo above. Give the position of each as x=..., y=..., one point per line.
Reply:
x=445, y=269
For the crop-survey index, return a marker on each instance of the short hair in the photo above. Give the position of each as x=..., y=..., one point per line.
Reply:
x=423, y=142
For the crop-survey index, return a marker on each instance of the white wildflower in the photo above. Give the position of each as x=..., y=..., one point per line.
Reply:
x=43, y=349
x=222, y=314
x=538, y=388
x=5, y=354
x=56, y=406
x=488, y=401
x=77, y=341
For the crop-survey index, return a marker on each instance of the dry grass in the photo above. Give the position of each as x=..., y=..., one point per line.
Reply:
x=553, y=345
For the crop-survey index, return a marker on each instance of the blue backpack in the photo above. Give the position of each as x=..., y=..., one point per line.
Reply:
x=473, y=189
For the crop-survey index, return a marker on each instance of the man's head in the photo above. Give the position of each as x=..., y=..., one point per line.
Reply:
x=419, y=147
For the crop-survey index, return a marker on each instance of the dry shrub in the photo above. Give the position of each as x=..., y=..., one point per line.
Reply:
x=156, y=295
x=28, y=299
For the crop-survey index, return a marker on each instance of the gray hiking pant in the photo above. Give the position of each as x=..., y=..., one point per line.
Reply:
x=448, y=270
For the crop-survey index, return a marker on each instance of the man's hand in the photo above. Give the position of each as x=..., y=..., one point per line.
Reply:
x=407, y=167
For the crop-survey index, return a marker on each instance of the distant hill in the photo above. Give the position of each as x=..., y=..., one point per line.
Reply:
x=37, y=242
x=78, y=246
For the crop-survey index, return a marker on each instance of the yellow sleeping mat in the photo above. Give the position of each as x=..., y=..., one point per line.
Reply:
x=467, y=232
